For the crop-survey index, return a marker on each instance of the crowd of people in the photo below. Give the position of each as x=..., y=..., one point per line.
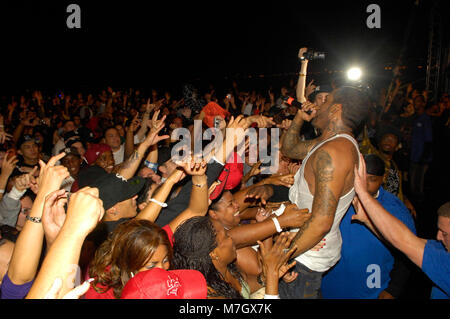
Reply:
x=95, y=205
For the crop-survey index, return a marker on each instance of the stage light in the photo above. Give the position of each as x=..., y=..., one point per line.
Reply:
x=354, y=74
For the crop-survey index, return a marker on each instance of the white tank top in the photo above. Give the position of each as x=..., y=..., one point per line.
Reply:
x=300, y=195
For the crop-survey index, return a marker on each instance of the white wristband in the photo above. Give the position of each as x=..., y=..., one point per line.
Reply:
x=277, y=224
x=271, y=296
x=158, y=202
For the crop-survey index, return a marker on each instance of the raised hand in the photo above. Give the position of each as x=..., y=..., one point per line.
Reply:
x=308, y=106
x=51, y=176
x=25, y=181
x=262, y=193
x=261, y=121
x=301, y=52
x=85, y=211
x=281, y=180
x=134, y=123
x=360, y=213
x=310, y=88
x=4, y=137
x=153, y=137
x=9, y=164
x=360, y=182
x=54, y=214
x=293, y=216
x=75, y=293
x=193, y=167
x=262, y=214
x=154, y=123
x=275, y=258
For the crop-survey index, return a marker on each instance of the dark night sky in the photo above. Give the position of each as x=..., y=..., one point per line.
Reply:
x=135, y=42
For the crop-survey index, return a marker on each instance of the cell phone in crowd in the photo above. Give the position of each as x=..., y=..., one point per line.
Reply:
x=229, y=96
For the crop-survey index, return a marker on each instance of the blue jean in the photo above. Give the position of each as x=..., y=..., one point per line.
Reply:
x=305, y=286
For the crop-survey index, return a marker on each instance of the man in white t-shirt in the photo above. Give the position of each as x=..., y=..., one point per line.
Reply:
x=323, y=184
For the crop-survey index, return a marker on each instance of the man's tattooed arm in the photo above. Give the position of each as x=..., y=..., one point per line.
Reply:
x=129, y=167
x=291, y=145
x=328, y=187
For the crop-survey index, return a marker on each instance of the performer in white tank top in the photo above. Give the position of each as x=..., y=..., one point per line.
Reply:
x=300, y=195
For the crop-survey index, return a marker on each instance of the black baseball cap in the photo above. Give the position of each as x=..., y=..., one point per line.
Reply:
x=114, y=189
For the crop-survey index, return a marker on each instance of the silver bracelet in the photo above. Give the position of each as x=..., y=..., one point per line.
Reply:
x=36, y=220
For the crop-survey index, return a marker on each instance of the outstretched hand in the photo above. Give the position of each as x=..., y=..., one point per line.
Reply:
x=153, y=137
x=275, y=258
x=54, y=214
x=360, y=213
x=308, y=106
x=193, y=167
x=51, y=176
x=9, y=164
x=360, y=182
x=75, y=293
x=85, y=211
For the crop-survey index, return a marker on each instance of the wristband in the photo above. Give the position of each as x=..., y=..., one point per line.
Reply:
x=158, y=202
x=152, y=166
x=266, y=296
x=277, y=224
x=200, y=185
x=260, y=280
x=36, y=220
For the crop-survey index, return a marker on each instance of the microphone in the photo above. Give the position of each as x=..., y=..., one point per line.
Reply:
x=293, y=102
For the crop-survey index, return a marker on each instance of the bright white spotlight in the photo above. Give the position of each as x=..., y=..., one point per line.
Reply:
x=354, y=74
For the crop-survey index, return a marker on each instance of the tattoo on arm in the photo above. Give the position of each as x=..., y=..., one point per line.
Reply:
x=134, y=157
x=292, y=146
x=324, y=198
x=325, y=202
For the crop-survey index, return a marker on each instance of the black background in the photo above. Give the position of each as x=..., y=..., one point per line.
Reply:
x=144, y=43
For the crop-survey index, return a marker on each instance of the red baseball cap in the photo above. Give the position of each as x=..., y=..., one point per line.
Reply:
x=211, y=110
x=94, y=151
x=158, y=283
x=230, y=177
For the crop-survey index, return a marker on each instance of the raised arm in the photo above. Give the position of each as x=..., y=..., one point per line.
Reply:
x=8, y=166
x=27, y=252
x=300, y=91
x=129, y=137
x=248, y=234
x=198, y=203
x=130, y=167
x=391, y=228
x=85, y=210
x=152, y=210
x=291, y=144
